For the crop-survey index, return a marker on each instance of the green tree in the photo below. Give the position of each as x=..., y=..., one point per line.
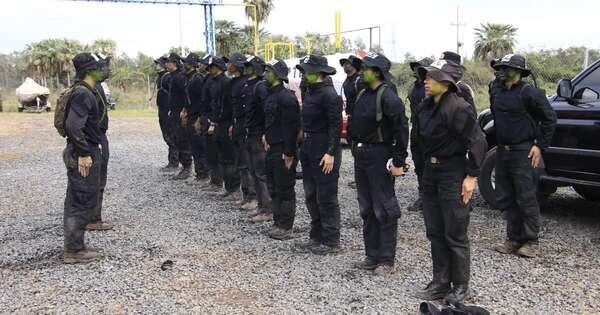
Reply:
x=494, y=40
x=263, y=10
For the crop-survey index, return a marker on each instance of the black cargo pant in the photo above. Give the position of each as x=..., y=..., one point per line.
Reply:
x=321, y=190
x=167, y=130
x=516, y=193
x=447, y=220
x=212, y=155
x=182, y=142
x=257, y=168
x=81, y=198
x=198, y=149
x=226, y=158
x=377, y=201
x=281, y=182
x=96, y=215
x=241, y=163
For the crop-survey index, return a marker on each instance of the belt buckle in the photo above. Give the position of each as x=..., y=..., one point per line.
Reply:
x=506, y=147
x=434, y=160
x=359, y=144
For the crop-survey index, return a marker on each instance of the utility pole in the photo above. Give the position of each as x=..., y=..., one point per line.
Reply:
x=458, y=25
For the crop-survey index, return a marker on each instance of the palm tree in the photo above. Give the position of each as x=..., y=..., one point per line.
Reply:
x=263, y=9
x=228, y=37
x=494, y=40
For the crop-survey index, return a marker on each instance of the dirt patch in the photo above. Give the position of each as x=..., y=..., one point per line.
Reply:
x=10, y=156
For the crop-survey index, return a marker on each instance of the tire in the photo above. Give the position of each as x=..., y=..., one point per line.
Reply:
x=588, y=193
x=486, y=179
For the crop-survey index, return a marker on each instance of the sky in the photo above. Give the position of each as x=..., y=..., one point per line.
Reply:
x=420, y=28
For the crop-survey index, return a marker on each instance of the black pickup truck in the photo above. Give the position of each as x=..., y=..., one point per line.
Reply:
x=573, y=158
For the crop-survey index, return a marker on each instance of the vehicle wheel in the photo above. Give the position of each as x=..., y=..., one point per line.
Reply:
x=588, y=193
x=487, y=181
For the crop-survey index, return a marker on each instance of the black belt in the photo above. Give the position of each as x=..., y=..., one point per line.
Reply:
x=313, y=134
x=368, y=145
x=516, y=147
x=436, y=160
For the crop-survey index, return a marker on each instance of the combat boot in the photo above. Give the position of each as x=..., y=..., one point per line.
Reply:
x=458, y=295
x=529, y=250
x=169, y=168
x=323, y=250
x=251, y=205
x=508, y=247
x=366, y=264
x=262, y=217
x=281, y=234
x=385, y=269
x=185, y=173
x=81, y=257
x=434, y=291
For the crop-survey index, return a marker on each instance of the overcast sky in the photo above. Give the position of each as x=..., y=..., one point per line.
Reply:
x=420, y=27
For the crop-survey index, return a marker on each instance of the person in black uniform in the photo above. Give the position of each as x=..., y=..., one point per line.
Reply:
x=415, y=97
x=82, y=158
x=235, y=67
x=220, y=119
x=379, y=130
x=194, y=88
x=178, y=102
x=162, y=102
x=96, y=222
x=254, y=97
x=464, y=90
x=282, y=124
x=352, y=85
x=454, y=147
x=525, y=124
x=321, y=155
x=215, y=183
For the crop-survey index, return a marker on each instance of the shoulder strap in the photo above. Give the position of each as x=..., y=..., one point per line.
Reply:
x=379, y=111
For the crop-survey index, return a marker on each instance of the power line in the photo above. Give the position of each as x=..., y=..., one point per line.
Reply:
x=458, y=25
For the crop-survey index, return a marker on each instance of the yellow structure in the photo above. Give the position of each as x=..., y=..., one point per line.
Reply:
x=338, y=30
x=255, y=22
x=270, y=49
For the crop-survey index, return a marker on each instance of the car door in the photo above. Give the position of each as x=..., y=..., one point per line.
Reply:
x=575, y=148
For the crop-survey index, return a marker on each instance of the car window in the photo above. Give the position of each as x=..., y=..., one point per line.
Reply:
x=591, y=81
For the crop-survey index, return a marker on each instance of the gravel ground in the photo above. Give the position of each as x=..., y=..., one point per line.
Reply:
x=224, y=265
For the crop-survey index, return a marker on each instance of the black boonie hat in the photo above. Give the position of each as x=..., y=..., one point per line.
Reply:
x=315, y=64
x=280, y=69
x=204, y=60
x=421, y=63
x=355, y=61
x=86, y=61
x=513, y=61
x=452, y=56
x=256, y=63
x=236, y=59
x=216, y=61
x=441, y=71
x=380, y=62
x=191, y=59
x=161, y=61
x=174, y=57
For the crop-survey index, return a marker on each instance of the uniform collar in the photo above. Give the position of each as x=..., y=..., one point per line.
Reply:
x=277, y=88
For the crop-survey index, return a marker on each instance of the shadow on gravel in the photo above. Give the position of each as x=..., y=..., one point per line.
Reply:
x=32, y=234
x=44, y=260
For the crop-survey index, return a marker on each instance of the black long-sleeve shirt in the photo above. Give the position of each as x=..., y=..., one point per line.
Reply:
x=393, y=126
x=83, y=119
x=220, y=99
x=237, y=97
x=177, y=91
x=282, y=118
x=466, y=92
x=352, y=86
x=195, y=88
x=415, y=97
x=522, y=114
x=449, y=129
x=162, y=90
x=322, y=113
x=255, y=94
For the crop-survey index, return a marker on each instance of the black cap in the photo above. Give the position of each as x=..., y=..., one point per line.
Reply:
x=513, y=61
x=315, y=64
x=380, y=62
x=441, y=71
x=191, y=59
x=173, y=57
x=451, y=56
x=161, y=61
x=86, y=61
x=216, y=61
x=355, y=61
x=421, y=63
x=205, y=60
x=280, y=69
x=237, y=60
x=256, y=63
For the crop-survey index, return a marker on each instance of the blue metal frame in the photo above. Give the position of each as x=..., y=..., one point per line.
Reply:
x=209, y=21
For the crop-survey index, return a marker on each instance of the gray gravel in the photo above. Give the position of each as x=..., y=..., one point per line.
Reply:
x=224, y=265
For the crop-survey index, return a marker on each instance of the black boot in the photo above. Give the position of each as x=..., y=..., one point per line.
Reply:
x=185, y=173
x=434, y=291
x=458, y=294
